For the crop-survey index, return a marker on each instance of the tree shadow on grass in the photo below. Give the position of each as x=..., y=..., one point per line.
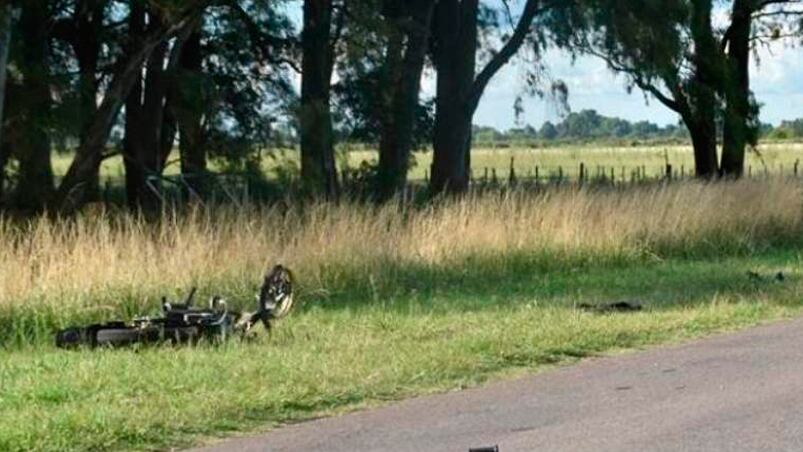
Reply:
x=474, y=283
x=478, y=284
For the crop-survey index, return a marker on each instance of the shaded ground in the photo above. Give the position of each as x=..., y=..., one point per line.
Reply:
x=734, y=392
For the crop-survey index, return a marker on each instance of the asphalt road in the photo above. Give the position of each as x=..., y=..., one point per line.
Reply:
x=739, y=392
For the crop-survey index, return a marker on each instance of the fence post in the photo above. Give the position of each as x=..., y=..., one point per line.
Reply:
x=668, y=171
x=582, y=172
x=560, y=175
x=797, y=163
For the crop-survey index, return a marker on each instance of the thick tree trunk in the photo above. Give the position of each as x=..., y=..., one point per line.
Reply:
x=318, y=171
x=35, y=187
x=459, y=91
x=702, y=91
x=736, y=130
x=704, y=144
x=455, y=52
x=133, y=140
x=6, y=13
x=411, y=24
x=189, y=116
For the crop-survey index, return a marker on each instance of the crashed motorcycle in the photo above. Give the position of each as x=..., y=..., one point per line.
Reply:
x=183, y=323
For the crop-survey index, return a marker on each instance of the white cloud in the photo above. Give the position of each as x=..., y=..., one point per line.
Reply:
x=777, y=80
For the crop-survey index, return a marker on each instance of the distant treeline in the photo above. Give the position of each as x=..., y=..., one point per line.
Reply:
x=590, y=126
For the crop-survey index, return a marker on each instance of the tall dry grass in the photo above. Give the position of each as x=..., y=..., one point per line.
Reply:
x=65, y=262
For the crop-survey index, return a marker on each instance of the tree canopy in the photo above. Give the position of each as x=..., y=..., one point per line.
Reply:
x=186, y=83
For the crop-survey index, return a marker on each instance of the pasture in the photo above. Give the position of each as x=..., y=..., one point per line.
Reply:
x=395, y=300
x=772, y=158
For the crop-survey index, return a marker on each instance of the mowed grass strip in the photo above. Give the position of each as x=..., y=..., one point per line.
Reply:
x=395, y=302
x=321, y=361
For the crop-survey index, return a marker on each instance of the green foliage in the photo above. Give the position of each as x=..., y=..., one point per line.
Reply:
x=586, y=125
x=787, y=129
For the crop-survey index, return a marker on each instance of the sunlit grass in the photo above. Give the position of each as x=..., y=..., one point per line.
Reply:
x=395, y=301
x=772, y=157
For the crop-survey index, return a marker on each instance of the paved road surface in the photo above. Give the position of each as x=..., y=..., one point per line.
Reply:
x=740, y=392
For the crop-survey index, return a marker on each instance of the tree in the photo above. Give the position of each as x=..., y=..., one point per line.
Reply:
x=150, y=123
x=6, y=13
x=750, y=21
x=191, y=97
x=85, y=32
x=318, y=171
x=459, y=88
x=672, y=51
x=33, y=108
x=548, y=131
x=89, y=155
x=408, y=25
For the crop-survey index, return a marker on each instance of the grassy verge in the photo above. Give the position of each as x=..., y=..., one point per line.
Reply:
x=394, y=301
x=330, y=358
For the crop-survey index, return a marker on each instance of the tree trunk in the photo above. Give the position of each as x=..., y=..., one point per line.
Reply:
x=704, y=143
x=458, y=91
x=702, y=90
x=410, y=24
x=455, y=50
x=318, y=171
x=89, y=15
x=6, y=13
x=32, y=150
x=189, y=109
x=738, y=114
x=133, y=140
x=152, y=120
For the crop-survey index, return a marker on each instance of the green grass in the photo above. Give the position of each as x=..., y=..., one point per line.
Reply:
x=437, y=329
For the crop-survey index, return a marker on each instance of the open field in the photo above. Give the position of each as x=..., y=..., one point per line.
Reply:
x=395, y=301
x=774, y=157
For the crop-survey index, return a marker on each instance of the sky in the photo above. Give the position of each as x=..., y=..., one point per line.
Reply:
x=776, y=79
x=777, y=82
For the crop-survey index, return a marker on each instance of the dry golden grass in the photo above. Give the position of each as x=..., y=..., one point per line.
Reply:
x=70, y=260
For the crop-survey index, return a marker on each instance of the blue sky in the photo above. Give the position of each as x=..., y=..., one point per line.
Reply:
x=777, y=82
